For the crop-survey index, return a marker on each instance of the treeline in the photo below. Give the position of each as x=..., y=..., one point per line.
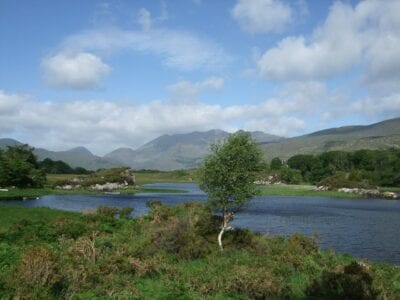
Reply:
x=20, y=167
x=363, y=167
x=59, y=167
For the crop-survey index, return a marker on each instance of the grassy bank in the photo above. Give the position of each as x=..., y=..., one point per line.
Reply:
x=170, y=253
x=52, y=179
x=301, y=190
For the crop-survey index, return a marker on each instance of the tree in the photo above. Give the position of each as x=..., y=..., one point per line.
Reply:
x=228, y=176
x=19, y=167
x=276, y=163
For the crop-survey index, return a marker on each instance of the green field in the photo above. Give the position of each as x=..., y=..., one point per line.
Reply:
x=171, y=253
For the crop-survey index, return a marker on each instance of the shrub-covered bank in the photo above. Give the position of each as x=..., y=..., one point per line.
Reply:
x=171, y=253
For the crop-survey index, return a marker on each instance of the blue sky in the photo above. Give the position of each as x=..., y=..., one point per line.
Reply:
x=108, y=74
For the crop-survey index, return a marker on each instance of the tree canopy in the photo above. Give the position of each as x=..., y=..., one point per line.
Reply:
x=19, y=167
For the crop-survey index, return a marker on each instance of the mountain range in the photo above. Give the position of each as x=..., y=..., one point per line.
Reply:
x=184, y=151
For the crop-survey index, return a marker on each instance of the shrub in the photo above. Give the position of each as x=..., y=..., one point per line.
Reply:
x=353, y=282
x=342, y=179
x=37, y=273
x=126, y=212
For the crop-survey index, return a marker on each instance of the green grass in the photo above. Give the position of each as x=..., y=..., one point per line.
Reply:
x=10, y=215
x=144, y=177
x=301, y=190
x=171, y=253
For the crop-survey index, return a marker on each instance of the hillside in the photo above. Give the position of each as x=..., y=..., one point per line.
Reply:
x=380, y=135
x=177, y=151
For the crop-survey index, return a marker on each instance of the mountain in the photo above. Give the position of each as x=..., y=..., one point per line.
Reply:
x=4, y=143
x=76, y=157
x=380, y=135
x=184, y=151
x=177, y=151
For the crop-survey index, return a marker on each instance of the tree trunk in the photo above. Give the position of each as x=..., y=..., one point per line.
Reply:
x=220, y=238
x=227, y=217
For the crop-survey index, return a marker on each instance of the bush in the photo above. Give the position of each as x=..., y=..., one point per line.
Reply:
x=342, y=180
x=289, y=175
x=37, y=274
x=353, y=282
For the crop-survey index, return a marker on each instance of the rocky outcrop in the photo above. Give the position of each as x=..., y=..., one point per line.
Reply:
x=271, y=179
x=369, y=193
x=109, y=186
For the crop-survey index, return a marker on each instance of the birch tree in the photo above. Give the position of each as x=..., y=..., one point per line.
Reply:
x=228, y=176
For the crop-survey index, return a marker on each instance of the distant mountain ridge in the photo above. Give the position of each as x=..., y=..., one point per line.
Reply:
x=187, y=150
x=177, y=151
x=381, y=135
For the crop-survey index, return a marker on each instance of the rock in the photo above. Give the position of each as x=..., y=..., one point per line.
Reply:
x=321, y=188
x=3, y=190
x=109, y=186
x=128, y=176
x=390, y=195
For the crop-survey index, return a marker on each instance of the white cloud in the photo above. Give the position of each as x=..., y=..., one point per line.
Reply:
x=144, y=19
x=385, y=107
x=262, y=16
x=103, y=125
x=177, y=49
x=281, y=126
x=9, y=103
x=367, y=35
x=74, y=70
x=190, y=90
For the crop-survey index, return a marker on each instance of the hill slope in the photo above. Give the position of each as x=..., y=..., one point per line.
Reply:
x=380, y=135
x=177, y=151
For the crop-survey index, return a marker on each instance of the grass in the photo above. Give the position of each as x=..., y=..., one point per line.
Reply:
x=301, y=190
x=148, y=176
x=170, y=253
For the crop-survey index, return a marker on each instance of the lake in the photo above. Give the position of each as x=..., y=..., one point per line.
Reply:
x=365, y=228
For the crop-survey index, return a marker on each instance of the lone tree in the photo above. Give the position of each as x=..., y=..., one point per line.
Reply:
x=228, y=176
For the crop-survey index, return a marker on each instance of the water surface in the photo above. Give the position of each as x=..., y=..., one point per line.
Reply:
x=365, y=228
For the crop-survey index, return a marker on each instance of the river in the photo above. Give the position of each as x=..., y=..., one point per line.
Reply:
x=365, y=228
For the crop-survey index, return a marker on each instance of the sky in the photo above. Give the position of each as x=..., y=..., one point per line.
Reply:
x=109, y=74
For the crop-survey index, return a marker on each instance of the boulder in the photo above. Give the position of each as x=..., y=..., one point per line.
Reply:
x=390, y=195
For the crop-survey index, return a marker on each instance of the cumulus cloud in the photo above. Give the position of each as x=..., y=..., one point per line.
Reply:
x=262, y=16
x=74, y=70
x=103, y=125
x=190, y=90
x=367, y=35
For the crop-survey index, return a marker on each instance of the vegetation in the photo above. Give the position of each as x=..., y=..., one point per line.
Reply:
x=171, y=253
x=19, y=167
x=362, y=168
x=50, y=166
x=228, y=176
